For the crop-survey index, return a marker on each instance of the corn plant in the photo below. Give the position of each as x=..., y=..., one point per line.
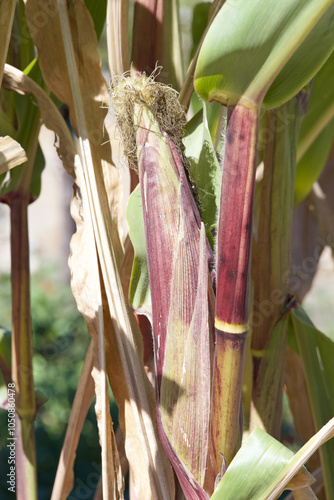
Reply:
x=195, y=320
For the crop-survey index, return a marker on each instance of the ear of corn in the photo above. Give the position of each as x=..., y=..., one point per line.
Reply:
x=178, y=256
x=181, y=312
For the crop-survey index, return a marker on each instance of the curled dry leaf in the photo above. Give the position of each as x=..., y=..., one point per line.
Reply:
x=11, y=154
x=14, y=79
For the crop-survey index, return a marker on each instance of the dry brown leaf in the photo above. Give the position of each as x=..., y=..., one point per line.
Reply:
x=117, y=36
x=14, y=79
x=86, y=289
x=73, y=72
x=86, y=286
x=44, y=25
x=126, y=268
x=92, y=91
x=11, y=154
x=105, y=425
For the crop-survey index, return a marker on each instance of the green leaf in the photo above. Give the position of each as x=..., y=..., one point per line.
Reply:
x=36, y=178
x=216, y=118
x=5, y=345
x=139, y=291
x=292, y=341
x=22, y=45
x=5, y=362
x=305, y=62
x=27, y=135
x=317, y=131
x=252, y=46
x=172, y=59
x=259, y=464
x=204, y=167
x=264, y=467
x=312, y=163
x=317, y=353
x=200, y=21
x=97, y=11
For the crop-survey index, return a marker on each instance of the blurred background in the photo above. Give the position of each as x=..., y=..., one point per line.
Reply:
x=60, y=334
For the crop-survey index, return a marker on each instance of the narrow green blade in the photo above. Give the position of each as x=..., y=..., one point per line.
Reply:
x=317, y=353
x=204, y=166
x=260, y=462
x=139, y=291
x=317, y=131
x=264, y=467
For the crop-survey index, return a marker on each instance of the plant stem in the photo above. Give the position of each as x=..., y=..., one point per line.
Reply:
x=148, y=35
x=233, y=280
x=22, y=349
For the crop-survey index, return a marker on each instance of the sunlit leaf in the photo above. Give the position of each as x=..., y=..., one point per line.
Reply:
x=253, y=46
x=263, y=467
